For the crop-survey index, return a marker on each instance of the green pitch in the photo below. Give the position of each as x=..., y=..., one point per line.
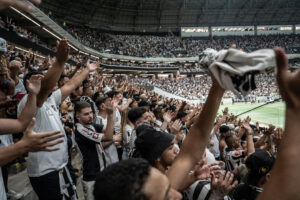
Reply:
x=269, y=114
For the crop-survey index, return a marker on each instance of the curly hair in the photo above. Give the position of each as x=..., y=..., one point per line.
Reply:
x=123, y=181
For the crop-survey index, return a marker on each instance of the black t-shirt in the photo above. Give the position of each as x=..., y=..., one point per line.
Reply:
x=245, y=192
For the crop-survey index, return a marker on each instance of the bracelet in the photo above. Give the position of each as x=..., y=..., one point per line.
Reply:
x=249, y=133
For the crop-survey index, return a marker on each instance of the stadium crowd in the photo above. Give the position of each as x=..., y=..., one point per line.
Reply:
x=11, y=26
x=136, y=144
x=173, y=46
x=198, y=87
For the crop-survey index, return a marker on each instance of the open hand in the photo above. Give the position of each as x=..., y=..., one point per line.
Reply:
x=168, y=116
x=62, y=51
x=222, y=185
x=92, y=66
x=34, y=83
x=34, y=142
x=176, y=126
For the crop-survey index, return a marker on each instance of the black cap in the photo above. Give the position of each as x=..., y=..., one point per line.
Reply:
x=259, y=164
x=144, y=103
x=224, y=128
x=151, y=143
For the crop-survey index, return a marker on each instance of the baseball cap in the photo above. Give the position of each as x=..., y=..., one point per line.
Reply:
x=151, y=143
x=259, y=164
x=3, y=46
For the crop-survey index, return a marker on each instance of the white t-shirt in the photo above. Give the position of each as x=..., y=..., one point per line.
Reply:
x=233, y=159
x=127, y=145
x=47, y=119
x=117, y=126
x=20, y=87
x=2, y=189
x=5, y=140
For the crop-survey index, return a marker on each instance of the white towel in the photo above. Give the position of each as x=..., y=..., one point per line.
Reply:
x=235, y=69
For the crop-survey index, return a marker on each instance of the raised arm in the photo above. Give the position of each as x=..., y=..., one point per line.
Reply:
x=285, y=176
x=194, y=145
x=30, y=142
x=53, y=74
x=110, y=108
x=249, y=138
x=20, y=124
x=71, y=85
x=125, y=106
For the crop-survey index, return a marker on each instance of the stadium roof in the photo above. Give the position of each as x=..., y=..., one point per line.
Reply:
x=170, y=15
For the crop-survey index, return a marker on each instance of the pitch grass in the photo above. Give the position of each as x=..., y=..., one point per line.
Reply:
x=270, y=114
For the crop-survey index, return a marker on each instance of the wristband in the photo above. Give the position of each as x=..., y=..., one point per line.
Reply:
x=249, y=133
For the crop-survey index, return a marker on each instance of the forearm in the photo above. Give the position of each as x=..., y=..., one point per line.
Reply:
x=200, y=132
x=189, y=180
x=110, y=127
x=125, y=106
x=49, y=81
x=29, y=108
x=194, y=145
x=286, y=166
x=260, y=142
x=71, y=85
x=250, y=145
x=11, y=87
x=8, y=154
x=164, y=125
x=77, y=80
x=73, y=72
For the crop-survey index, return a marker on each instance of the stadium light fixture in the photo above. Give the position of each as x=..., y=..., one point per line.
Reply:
x=51, y=33
x=25, y=16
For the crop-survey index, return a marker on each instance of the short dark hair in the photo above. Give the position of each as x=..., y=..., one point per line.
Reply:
x=96, y=95
x=135, y=113
x=123, y=180
x=111, y=94
x=100, y=101
x=85, y=88
x=79, y=105
x=157, y=112
x=143, y=103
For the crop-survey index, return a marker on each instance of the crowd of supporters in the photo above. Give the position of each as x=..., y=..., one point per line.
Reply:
x=9, y=25
x=134, y=143
x=198, y=87
x=111, y=119
x=174, y=46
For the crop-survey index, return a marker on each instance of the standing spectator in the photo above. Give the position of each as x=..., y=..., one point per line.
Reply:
x=89, y=138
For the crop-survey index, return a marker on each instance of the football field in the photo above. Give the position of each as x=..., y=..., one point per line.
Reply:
x=269, y=114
